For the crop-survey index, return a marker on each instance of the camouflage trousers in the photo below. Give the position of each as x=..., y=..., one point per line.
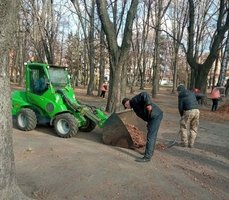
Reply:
x=188, y=127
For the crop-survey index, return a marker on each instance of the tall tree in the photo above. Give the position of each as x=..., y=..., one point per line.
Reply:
x=73, y=57
x=117, y=54
x=224, y=63
x=8, y=184
x=200, y=68
x=91, y=54
x=86, y=14
x=160, y=11
x=179, y=19
x=144, y=51
x=41, y=23
x=102, y=60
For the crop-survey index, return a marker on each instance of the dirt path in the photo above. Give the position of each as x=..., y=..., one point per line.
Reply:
x=52, y=168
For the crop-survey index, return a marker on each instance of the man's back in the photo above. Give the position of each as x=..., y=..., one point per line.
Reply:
x=139, y=103
x=187, y=101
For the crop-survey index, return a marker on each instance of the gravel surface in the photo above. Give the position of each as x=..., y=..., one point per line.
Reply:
x=52, y=168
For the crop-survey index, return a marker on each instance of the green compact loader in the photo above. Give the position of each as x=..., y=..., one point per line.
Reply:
x=49, y=98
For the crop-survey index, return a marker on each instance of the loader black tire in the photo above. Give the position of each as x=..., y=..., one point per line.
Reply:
x=65, y=125
x=26, y=119
x=88, y=127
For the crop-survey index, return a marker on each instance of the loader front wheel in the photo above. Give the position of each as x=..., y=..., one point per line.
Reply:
x=65, y=125
x=26, y=119
x=89, y=126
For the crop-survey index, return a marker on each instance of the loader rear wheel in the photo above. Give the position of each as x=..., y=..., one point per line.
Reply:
x=65, y=125
x=26, y=119
x=89, y=126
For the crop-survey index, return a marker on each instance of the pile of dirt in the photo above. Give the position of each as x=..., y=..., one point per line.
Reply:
x=220, y=115
x=224, y=109
x=138, y=137
x=160, y=146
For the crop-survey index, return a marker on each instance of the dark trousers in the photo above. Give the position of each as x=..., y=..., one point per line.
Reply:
x=153, y=126
x=103, y=94
x=215, y=104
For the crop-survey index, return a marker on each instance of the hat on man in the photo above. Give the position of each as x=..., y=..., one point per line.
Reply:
x=180, y=88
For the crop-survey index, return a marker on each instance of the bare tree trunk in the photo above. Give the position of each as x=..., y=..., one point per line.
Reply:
x=42, y=27
x=200, y=71
x=8, y=184
x=123, y=81
x=215, y=71
x=85, y=68
x=134, y=75
x=156, y=53
x=101, y=61
x=20, y=57
x=225, y=63
x=156, y=63
x=160, y=12
x=89, y=16
x=210, y=80
x=145, y=33
x=175, y=57
x=91, y=50
x=136, y=58
x=178, y=27
x=117, y=54
x=47, y=32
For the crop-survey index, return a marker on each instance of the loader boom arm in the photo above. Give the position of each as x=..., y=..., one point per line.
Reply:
x=95, y=115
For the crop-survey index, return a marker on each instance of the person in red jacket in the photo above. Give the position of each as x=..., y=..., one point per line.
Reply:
x=103, y=89
x=215, y=95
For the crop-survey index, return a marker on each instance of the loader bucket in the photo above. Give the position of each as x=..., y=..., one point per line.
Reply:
x=115, y=131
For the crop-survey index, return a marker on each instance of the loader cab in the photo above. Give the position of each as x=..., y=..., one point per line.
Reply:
x=40, y=82
x=37, y=79
x=42, y=77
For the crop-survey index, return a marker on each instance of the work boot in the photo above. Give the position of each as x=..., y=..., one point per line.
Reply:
x=144, y=159
x=190, y=145
x=182, y=144
x=191, y=142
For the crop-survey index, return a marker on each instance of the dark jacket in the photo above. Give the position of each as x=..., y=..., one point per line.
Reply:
x=186, y=101
x=139, y=103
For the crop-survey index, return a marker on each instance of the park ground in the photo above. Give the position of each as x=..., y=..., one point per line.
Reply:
x=52, y=168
